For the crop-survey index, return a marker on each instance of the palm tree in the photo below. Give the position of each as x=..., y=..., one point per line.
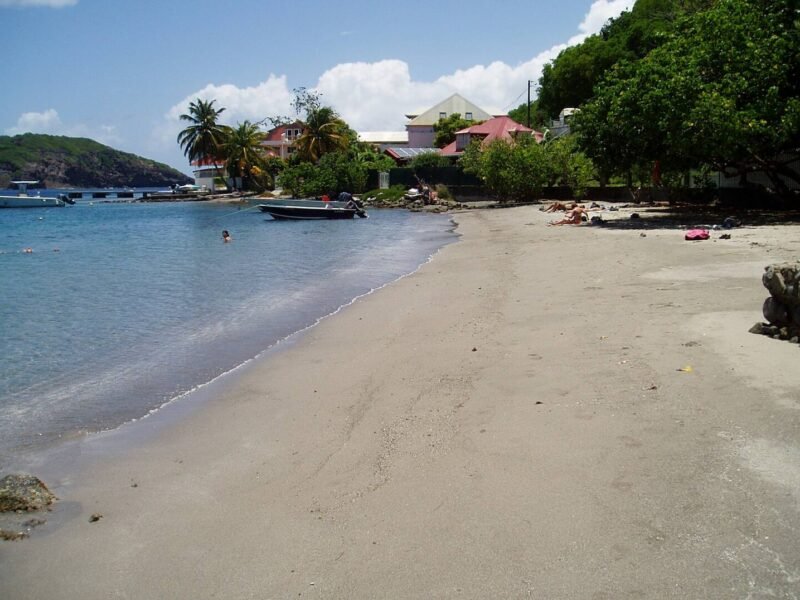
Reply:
x=323, y=132
x=244, y=155
x=203, y=138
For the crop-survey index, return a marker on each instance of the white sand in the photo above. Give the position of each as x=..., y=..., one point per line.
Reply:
x=508, y=422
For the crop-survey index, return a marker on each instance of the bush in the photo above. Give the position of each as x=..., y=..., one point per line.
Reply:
x=442, y=192
x=428, y=160
x=393, y=194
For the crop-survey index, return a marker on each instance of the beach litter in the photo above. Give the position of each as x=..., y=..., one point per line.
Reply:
x=696, y=234
x=686, y=369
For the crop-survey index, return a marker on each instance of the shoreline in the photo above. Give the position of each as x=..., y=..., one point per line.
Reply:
x=507, y=420
x=49, y=463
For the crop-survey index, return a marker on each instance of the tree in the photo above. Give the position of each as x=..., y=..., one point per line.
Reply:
x=570, y=79
x=244, y=155
x=539, y=119
x=514, y=170
x=445, y=129
x=567, y=165
x=335, y=172
x=323, y=131
x=723, y=92
x=203, y=138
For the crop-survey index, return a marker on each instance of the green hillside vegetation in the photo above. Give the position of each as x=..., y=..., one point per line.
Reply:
x=61, y=161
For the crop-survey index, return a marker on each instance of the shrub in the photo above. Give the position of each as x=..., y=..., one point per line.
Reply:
x=442, y=192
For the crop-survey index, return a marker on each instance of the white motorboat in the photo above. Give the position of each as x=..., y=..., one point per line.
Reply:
x=23, y=200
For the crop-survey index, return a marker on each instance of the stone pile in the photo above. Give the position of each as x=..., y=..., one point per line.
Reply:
x=782, y=308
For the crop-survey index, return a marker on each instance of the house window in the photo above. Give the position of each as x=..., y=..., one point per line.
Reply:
x=468, y=116
x=442, y=115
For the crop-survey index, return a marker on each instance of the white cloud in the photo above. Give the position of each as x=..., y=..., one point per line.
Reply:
x=36, y=122
x=599, y=13
x=267, y=99
x=48, y=3
x=49, y=122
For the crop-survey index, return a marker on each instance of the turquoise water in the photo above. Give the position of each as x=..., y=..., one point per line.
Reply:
x=121, y=307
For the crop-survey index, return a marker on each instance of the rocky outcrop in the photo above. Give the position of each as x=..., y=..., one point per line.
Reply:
x=782, y=308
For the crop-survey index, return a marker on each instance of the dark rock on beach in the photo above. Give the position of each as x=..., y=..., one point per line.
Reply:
x=782, y=308
x=19, y=492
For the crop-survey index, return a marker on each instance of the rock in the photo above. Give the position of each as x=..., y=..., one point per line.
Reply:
x=783, y=282
x=775, y=312
x=24, y=492
x=758, y=328
x=95, y=517
x=12, y=536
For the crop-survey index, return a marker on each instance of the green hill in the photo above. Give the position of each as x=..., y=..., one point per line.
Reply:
x=61, y=161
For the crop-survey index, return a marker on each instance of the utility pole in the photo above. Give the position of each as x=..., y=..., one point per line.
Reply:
x=529, y=102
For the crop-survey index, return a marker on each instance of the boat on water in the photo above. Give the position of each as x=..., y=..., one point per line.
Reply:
x=23, y=200
x=312, y=210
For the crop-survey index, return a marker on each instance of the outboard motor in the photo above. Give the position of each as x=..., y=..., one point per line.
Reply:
x=66, y=199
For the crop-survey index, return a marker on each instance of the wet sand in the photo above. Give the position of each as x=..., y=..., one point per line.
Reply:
x=514, y=420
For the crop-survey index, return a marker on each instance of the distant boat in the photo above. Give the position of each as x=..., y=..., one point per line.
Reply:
x=23, y=200
x=311, y=210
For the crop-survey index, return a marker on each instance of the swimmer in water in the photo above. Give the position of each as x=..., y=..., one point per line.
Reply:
x=226, y=237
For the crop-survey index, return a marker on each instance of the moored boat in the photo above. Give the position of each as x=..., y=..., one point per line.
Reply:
x=311, y=210
x=23, y=200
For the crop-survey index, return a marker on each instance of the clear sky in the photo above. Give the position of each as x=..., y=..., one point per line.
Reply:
x=122, y=71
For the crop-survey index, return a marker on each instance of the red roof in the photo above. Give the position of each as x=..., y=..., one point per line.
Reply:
x=503, y=127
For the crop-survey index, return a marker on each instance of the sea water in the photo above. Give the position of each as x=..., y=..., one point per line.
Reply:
x=119, y=308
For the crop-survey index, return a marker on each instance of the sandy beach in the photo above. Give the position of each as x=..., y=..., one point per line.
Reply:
x=538, y=412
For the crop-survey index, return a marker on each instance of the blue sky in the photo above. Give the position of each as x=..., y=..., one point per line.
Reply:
x=122, y=71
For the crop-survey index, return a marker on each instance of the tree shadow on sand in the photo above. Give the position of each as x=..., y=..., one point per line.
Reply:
x=690, y=217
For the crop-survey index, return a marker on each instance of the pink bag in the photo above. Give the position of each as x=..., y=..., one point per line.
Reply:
x=697, y=234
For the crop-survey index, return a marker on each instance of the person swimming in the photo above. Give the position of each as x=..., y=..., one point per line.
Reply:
x=226, y=237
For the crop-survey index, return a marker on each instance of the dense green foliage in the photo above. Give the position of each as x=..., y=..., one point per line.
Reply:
x=722, y=93
x=445, y=129
x=539, y=118
x=569, y=80
x=333, y=173
x=78, y=162
x=430, y=159
x=519, y=170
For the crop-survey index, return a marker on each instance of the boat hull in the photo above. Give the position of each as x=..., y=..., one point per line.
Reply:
x=30, y=202
x=308, y=210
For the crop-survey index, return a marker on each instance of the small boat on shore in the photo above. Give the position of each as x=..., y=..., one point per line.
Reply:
x=311, y=210
x=23, y=200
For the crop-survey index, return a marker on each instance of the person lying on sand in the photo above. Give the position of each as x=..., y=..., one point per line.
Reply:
x=565, y=206
x=573, y=217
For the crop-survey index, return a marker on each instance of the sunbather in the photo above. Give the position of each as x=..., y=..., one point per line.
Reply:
x=573, y=217
x=565, y=206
